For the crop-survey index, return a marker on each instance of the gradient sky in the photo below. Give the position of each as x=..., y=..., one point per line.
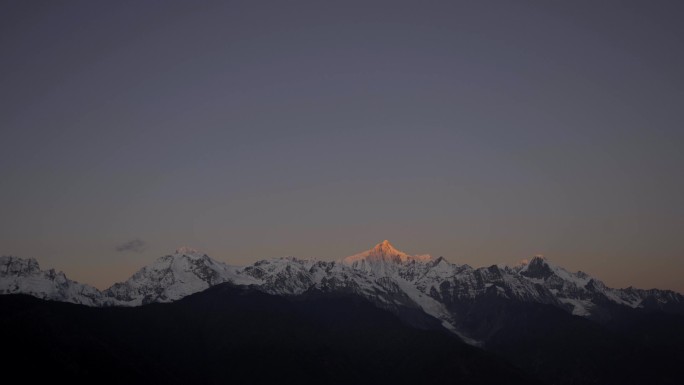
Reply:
x=483, y=131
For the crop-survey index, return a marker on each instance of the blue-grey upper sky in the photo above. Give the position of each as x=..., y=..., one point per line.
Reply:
x=483, y=131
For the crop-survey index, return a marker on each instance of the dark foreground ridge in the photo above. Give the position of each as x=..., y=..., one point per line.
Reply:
x=635, y=347
x=230, y=334
x=239, y=334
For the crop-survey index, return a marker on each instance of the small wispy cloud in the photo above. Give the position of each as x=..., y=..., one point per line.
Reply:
x=134, y=245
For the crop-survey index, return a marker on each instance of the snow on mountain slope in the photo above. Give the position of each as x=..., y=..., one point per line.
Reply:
x=383, y=252
x=386, y=276
x=455, y=287
x=292, y=276
x=578, y=291
x=384, y=263
x=24, y=276
x=375, y=274
x=175, y=276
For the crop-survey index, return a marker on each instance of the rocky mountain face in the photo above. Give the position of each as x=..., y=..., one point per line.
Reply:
x=19, y=275
x=173, y=277
x=422, y=290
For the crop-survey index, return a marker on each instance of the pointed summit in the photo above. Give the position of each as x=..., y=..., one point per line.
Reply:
x=173, y=277
x=385, y=248
x=537, y=267
x=384, y=251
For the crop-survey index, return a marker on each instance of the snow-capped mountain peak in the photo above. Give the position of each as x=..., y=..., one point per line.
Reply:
x=537, y=267
x=384, y=251
x=18, y=275
x=175, y=276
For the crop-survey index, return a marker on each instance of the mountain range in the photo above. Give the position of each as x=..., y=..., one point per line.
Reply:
x=391, y=279
x=540, y=317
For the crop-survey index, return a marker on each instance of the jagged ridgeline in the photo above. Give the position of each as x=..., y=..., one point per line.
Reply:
x=408, y=315
x=423, y=290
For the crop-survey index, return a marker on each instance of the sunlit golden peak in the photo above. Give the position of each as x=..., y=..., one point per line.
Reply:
x=385, y=251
